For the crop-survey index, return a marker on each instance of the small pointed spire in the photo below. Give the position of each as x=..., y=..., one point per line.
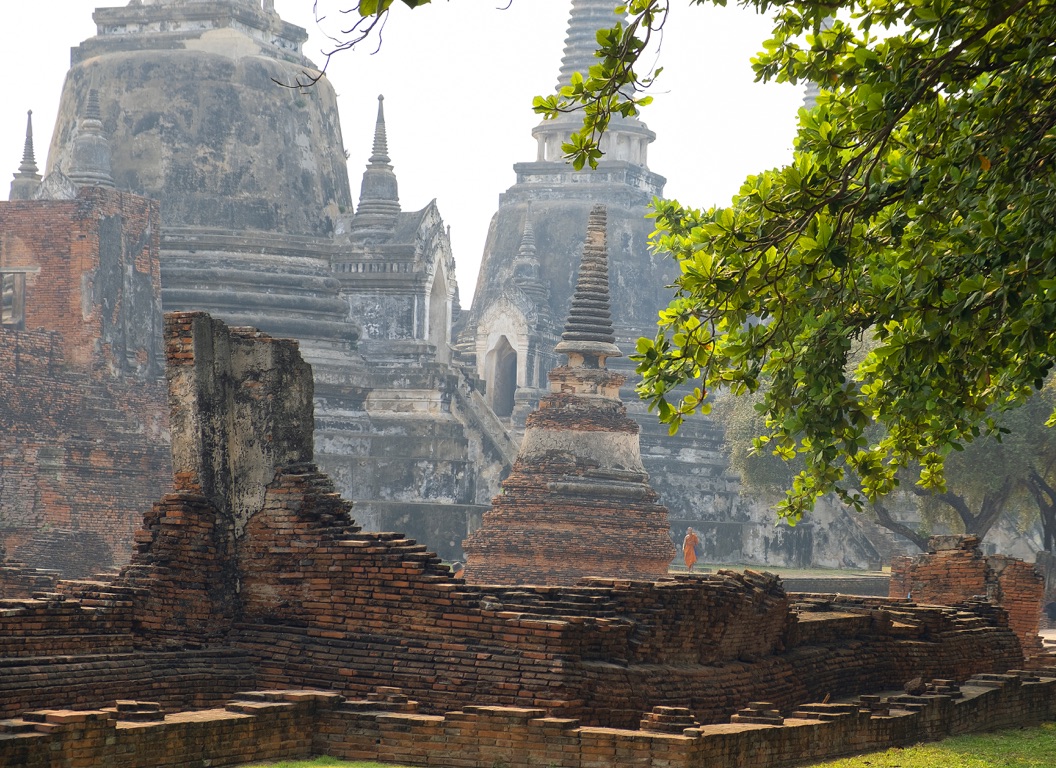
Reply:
x=381, y=141
x=588, y=337
x=27, y=180
x=527, y=247
x=89, y=153
x=92, y=110
x=29, y=161
x=526, y=268
x=379, y=200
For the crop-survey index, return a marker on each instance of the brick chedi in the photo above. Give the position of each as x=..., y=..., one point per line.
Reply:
x=508, y=334
x=578, y=502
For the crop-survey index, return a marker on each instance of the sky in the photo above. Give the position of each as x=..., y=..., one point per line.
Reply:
x=458, y=79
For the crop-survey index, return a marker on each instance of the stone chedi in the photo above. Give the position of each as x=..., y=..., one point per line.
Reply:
x=177, y=101
x=578, y=502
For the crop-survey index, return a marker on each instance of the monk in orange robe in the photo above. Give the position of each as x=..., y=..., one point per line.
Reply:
x=689, y=548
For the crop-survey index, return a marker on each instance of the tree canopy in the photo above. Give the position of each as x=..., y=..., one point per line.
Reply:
x=917, y=215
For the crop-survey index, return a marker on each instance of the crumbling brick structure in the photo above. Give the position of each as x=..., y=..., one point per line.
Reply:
x=251, y=574
x=954, y=570
x=84, y=407
x=387, y=726
x=578, y=502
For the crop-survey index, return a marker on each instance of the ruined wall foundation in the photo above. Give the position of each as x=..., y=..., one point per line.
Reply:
x=251, y=574
x=386, y=726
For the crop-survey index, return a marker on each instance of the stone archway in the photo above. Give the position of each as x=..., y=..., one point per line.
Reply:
x=503, y=384
x=437, y=332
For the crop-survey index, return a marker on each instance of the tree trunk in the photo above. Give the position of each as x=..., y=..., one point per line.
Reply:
x=990, y=510
x=1045, y=497
x=884, y=518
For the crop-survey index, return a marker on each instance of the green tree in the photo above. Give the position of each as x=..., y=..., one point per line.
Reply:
x=918, y=212
x=989, y=479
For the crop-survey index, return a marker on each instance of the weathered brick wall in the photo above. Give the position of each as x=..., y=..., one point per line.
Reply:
x=102, y=669
x=282, y=725
x=84, y=409
x=955, y=570
x=19, y=581
x=129, y=736
x=255, y=556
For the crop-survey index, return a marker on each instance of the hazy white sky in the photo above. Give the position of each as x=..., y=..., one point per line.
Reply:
x=458, y=79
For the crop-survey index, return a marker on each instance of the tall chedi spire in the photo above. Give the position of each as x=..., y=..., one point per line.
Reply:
x=27, y=180
x=379, y=199
x=578, y=502
x=587, y=17
x=627, y=139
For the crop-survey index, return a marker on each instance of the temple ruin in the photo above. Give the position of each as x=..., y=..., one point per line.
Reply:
x=252, y=576
x=419, y=403
x=578, y=502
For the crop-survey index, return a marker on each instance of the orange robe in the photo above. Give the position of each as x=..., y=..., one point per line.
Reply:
x=689, y=549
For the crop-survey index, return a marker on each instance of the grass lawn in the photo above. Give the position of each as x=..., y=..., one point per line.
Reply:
x=1022, y=748
x=322, y=762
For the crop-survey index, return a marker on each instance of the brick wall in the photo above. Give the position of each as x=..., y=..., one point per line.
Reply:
x=253, y=563
x=84, y=409
x=386, y=726
x=105, y=668
x=955, y=570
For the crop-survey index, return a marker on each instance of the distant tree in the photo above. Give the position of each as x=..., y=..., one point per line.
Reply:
x=987, y=480
x=918, y=211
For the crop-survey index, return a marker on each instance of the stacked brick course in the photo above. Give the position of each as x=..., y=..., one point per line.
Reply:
x=954, y=570
x=84, y=409
x=278, y=725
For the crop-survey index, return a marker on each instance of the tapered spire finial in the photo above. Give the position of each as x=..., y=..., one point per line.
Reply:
x=381, y=141
x=527, y=247
x=29, y=161
x=27, y=180
x=379, y=199
x=588, y=337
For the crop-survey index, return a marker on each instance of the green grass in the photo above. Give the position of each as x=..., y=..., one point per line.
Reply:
x=323, y=762
x=1021, y=748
